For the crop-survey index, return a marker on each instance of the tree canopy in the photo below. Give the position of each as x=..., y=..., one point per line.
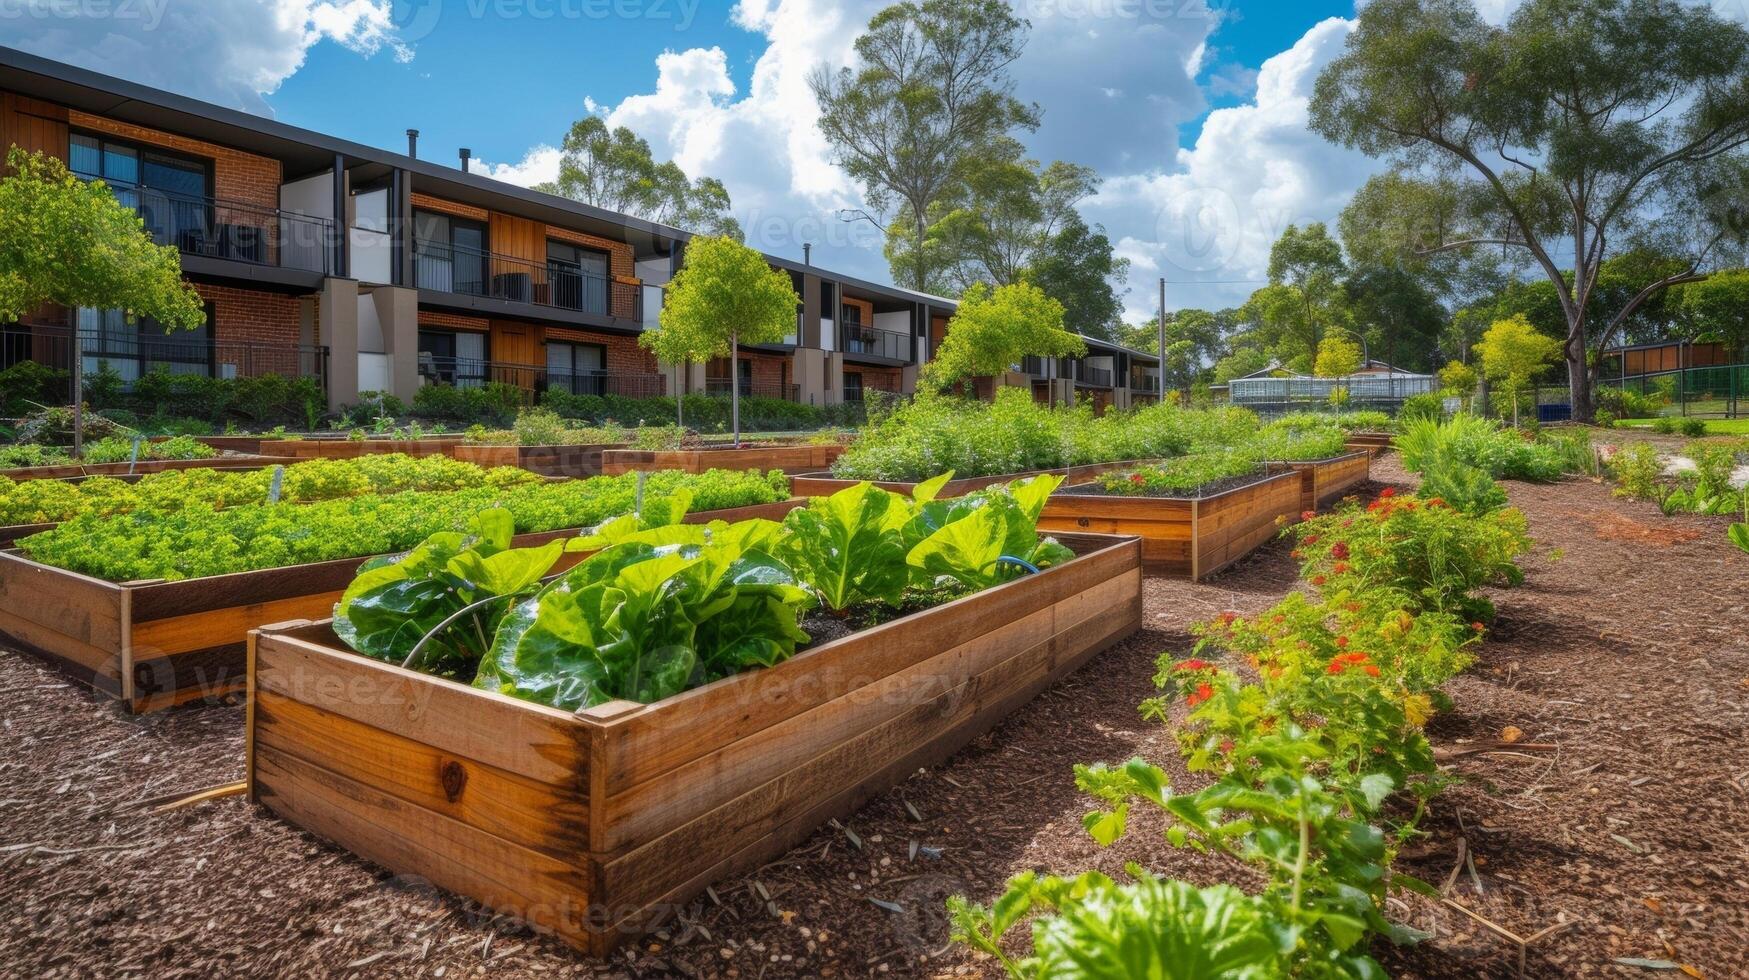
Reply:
x=1585, y=125
x=615, y=169
x=930, y=99
x=724, y=295
x=995, y=328
x=1513, y=352
x=69, y=242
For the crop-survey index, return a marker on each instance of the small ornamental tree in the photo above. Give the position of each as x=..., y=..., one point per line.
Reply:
x=1512, y=351
x=1338, y=357
x=68, y=242
x=994, y=329
x=723, y=296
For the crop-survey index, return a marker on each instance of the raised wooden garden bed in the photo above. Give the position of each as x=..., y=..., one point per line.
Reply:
x=154, y=644
x=545, y=460
x=1372, y=442
x=825, y=484
x=354, y=448
x=797, y=458
x=1325, y=481
x=67, y=471
x=598, y=825
x=1184, y=538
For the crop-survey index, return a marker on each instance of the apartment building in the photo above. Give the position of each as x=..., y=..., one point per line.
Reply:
x=374, y=270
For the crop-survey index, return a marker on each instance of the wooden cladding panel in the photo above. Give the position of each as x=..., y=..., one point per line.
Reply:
x=517, y=343
x=519, y=238
x=32, y=125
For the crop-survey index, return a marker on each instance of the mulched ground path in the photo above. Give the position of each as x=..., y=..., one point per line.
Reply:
x=1627, y=650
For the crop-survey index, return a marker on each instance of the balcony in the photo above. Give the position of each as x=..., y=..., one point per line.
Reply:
x=1033, y=365
x=445, y=268
x=891, y=345
x=216, y=228
x=1092, y=376
x=135, y=353
x=1144, y=384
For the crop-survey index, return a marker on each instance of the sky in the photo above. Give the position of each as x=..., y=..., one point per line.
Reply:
x=1193, y=114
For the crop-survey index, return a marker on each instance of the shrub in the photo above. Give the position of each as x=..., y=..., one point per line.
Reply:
x=1425, y=405
x=1298, y=444
x=495, y=403
x=1426, y=551
x=1478, y=442
x=26, y=385
x=1638, y=470
x=1183, y=476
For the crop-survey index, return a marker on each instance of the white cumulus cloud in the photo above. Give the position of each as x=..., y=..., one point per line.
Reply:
x=231, y=52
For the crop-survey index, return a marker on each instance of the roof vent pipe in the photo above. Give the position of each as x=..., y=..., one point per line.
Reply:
x=413, y=143
x=466, y=153
x=807, y=253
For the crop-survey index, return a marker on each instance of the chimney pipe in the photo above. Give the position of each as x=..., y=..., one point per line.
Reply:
x=807, y=253
x=413, y=143
x=466, y=153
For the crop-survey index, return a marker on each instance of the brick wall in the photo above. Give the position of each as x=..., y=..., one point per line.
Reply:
x=268, y=322
x=237, y=176
x=452, y=321
x=624, y=354
x=877, y=378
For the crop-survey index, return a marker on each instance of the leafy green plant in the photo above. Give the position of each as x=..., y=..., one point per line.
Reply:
x=647, y=618
x=1638, y=469
x=453, y=588
x=848, y=546
x=1185, y=476
x=195, y=542
x=1478, y=442
x=986, y=538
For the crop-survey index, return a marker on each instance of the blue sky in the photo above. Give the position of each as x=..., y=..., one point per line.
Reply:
x=1194, y=116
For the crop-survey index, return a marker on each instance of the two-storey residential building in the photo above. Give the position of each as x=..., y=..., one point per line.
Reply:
x=382, y=271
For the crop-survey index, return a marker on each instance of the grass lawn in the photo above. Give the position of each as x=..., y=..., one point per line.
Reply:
x=1714, y=427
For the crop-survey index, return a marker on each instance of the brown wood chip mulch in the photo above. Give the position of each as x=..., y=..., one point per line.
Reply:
x=1627, y=649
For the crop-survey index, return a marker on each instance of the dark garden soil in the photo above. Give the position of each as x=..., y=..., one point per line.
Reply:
x=1625, y=653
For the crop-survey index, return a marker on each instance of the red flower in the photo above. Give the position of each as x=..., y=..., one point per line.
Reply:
x=1202, y=693
x=1226, y=618
x=1478, y=627
x=1306, y=515
x=1226, y=745
x=1136, y=478
x=1309, y=539
x=1340, y=567
x=1317, y=580
x=1193, y=664
x=1387, y=492
x=1370, y=669
x=1342, y=642
x=1339, y=549
x=1436, y=502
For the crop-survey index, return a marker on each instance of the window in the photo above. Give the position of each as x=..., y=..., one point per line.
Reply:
x=134, y=349
x=578, y=277
x=449, y=254
x=453, y=358
x=580, y=369
x=170, y=192
x=853, y=386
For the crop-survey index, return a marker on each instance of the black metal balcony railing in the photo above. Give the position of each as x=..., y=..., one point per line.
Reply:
x=891, y=344
x=1032, y=365
x=1143, y=383
x=1097, y=377
x=720, y=387
x=450, y=269
x=603, y=383
x=222, y=229
x=133, y=355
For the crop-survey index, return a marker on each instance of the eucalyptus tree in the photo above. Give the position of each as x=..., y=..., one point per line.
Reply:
x=1579, y=128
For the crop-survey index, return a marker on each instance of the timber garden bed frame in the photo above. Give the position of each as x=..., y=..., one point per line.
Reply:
x=825, y=484
x=69, y=471
x=1185, y=537
x=598, y=825
x=791, y=458
x=153, y=644
x=1325, y=481
x=354, y=448
x=568, y=461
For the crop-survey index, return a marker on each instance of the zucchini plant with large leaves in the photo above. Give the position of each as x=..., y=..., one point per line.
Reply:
x=650, y=616
x=983, y=539
x=397, y=599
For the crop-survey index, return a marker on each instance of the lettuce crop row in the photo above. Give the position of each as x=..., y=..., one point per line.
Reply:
x=53, y=501
x=196, y=542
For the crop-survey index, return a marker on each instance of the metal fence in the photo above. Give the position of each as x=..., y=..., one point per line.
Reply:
x=137, y=354
x=1715, y=391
